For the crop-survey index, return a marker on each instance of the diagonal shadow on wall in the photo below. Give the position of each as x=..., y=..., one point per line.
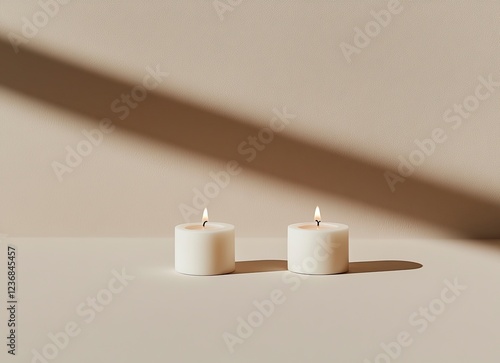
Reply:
x=195, y=129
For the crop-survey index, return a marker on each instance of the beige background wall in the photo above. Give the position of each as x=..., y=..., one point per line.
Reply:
x=353, y=120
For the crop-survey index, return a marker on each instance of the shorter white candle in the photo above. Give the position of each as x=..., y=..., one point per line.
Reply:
x=205, y=248
x=318, y=248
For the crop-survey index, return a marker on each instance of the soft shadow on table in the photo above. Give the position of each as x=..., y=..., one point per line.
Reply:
x=247, y=267
x=380, y=266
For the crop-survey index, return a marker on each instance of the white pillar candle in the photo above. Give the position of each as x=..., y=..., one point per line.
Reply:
x=205, y=248
x=318, y=248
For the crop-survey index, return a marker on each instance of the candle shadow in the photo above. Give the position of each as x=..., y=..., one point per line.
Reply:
x=381, y=266
x=247, y=267
x=254, y=266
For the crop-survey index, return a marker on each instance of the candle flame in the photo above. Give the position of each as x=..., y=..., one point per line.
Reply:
x=317, y=215
x=205, y=216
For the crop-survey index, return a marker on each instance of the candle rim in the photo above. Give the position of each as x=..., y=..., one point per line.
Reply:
x=223, y=227
x=337, y=226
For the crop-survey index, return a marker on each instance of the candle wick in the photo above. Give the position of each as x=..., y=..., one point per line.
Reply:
x=204, y=223
x=317, y=221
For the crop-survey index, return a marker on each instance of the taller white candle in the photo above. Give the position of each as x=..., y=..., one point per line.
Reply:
x=318, y=248
x=205, y=248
